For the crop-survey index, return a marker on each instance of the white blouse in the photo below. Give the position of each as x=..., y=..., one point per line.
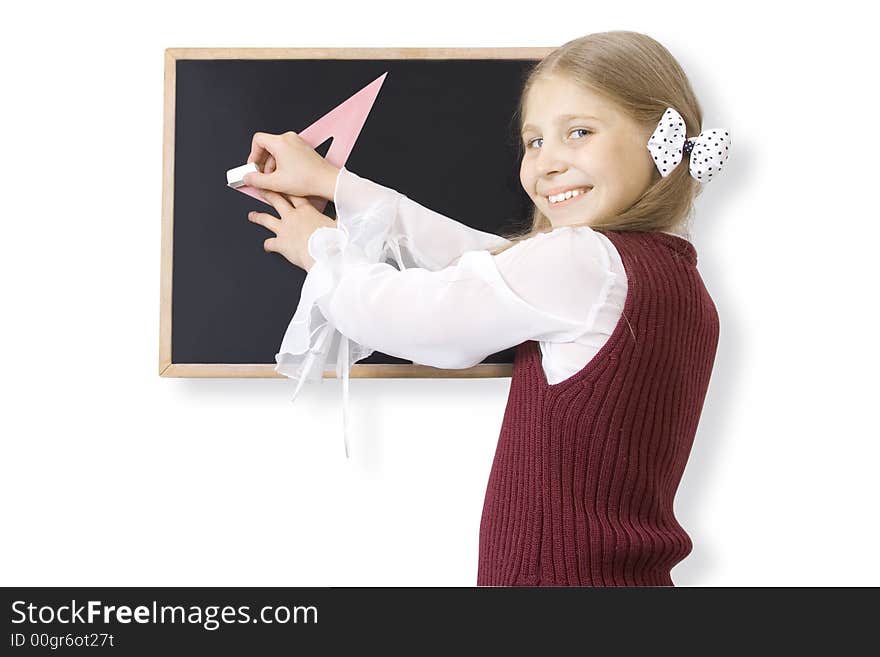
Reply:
x=449, y=304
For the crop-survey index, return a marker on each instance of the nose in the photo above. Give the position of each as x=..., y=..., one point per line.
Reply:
x=549, y=160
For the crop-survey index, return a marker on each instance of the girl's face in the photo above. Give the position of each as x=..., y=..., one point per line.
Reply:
x=574, y=139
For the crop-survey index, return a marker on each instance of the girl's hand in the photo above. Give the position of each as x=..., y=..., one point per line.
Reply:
x=289, y=165
x=299, y=219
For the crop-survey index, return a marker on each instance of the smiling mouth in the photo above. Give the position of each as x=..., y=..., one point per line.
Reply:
x=570, y=200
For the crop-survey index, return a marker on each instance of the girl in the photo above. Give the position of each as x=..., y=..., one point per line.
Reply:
x=615, y=331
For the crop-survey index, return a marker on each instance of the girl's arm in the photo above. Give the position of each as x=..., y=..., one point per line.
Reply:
x=549, y=287
x=417, y=236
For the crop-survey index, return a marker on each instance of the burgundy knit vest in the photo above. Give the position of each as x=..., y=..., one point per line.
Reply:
x=586, y=470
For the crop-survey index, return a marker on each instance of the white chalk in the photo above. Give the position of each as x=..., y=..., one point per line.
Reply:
x=235, y=177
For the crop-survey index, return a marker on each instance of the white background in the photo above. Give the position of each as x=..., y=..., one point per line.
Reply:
x=111, y=475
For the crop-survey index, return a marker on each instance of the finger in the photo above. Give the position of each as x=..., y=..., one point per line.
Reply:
x=270, y=165
x=296, y=201
x=270, y=244
x=263, y=181
x=262, y=145
x=278, y=201
x=267, y=220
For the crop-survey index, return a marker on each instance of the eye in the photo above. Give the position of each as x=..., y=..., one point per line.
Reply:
x=529, y=143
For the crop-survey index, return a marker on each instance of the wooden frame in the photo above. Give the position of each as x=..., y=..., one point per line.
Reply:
x=267, y=370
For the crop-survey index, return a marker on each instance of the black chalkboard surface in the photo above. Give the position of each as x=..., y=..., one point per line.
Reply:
x=442, y=131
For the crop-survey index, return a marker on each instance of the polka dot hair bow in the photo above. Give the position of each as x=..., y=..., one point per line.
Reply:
x=668, y=145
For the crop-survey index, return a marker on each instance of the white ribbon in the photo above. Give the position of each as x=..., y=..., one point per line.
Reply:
x=709, y=150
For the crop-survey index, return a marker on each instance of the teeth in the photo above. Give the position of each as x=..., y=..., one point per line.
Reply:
x=566, y=195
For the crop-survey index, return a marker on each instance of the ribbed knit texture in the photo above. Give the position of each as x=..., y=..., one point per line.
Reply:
x=586, y=470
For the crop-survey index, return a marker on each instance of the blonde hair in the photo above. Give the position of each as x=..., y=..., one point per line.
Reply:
x=641, y=78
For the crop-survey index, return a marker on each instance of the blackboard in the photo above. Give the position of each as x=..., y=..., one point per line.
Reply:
x=442, y=131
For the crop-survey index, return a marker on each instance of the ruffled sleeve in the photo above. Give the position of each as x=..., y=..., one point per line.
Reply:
x=417, y=236
x=374, y=224
x=312, y=345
